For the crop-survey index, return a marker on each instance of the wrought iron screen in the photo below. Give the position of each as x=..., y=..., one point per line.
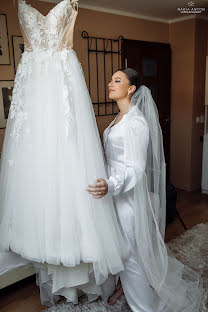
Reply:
x=104, y=58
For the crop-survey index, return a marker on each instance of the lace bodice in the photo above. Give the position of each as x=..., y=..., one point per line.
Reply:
x=51, y=31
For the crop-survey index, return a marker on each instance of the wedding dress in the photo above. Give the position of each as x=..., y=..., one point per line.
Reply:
x=51, y=152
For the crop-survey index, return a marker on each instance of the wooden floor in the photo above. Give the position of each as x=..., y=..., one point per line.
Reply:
x=193, y=209
x=24, y=296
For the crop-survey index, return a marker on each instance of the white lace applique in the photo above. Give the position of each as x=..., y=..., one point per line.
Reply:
x=43, y=34
x=56, y=25
x=44, y=31
x=30, y=24
x=17, y=104
x=67, y=93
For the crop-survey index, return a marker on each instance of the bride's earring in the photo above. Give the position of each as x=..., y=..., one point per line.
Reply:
x=129, y=92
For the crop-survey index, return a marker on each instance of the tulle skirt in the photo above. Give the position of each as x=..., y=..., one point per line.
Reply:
x=51, y=152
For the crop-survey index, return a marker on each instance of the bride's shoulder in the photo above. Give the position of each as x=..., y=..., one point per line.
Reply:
x=137, y=121
x=136, y=126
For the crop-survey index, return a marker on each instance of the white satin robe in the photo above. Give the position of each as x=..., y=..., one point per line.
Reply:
x=122, y=179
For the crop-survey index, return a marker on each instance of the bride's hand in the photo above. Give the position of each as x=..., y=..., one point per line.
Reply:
x=99, y=189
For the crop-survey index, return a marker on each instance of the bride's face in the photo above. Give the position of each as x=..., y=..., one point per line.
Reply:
x=118, y=86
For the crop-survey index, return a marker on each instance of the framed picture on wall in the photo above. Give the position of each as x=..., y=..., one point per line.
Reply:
x=18, y=49
x=6, y=89
x=4, y=42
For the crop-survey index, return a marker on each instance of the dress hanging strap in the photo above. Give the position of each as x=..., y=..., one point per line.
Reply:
x=74, y=4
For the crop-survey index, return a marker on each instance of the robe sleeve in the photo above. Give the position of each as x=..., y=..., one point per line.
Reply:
x=135, y=156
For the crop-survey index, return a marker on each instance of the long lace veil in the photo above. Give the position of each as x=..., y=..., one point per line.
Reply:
x=156, y=171
x=177, y=287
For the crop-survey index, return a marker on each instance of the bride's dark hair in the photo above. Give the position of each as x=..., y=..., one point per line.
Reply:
x=133, y=76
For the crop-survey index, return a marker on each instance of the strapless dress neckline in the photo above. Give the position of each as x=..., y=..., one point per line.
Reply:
x=51, y=10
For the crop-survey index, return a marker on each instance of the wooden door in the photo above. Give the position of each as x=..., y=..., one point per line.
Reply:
x=153, y=61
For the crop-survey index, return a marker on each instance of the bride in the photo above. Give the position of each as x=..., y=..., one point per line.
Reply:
x=152, y=280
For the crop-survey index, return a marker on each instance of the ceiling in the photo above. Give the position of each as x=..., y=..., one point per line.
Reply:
x=160, y=10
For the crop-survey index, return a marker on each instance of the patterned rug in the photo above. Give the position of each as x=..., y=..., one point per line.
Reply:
x=191, y=248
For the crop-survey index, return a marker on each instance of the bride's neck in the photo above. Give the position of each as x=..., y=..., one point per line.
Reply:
x=123, y=105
